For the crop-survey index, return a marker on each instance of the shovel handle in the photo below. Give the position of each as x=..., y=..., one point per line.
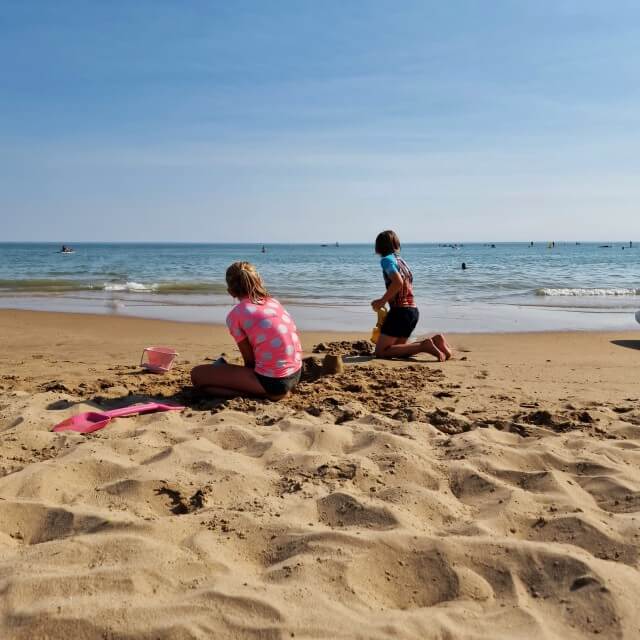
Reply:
x=135, y=409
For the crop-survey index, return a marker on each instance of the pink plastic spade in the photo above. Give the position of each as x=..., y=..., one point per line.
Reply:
x=94, y=420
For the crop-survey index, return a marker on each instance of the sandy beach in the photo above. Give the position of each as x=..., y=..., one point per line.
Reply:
x=493, y=496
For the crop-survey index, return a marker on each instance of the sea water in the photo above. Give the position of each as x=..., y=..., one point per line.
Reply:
x=505, y=287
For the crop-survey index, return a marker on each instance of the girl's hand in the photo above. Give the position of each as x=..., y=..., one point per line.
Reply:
x=377, y=304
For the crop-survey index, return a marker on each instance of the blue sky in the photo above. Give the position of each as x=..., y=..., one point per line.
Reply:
x=314, y=121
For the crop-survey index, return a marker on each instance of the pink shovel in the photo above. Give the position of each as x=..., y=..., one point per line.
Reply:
x=94, y=420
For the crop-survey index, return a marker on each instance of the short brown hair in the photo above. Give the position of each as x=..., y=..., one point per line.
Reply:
x=244, y=281
x=387, y=242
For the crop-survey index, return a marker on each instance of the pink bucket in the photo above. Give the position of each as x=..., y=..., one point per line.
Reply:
x=158, y=359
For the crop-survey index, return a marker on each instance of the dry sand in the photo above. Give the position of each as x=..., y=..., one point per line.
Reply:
x=494, y=496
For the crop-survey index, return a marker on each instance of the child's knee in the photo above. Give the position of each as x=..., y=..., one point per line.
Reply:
x=195, y=375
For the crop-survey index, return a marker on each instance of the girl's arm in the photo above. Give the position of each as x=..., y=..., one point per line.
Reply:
x=395, y=286
x=247, y=353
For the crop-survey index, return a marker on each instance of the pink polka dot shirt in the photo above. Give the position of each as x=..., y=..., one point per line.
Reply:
x=272, y=335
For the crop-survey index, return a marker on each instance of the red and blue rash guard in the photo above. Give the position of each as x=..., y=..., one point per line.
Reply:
x=395, y=264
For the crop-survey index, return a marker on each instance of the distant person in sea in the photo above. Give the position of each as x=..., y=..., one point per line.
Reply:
x=267, y=338
x=403, y=314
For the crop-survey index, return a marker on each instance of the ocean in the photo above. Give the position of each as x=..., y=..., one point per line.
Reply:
x=505, y=287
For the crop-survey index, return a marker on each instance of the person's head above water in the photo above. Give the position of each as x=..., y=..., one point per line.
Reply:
x=244, y=281
x=387, y=242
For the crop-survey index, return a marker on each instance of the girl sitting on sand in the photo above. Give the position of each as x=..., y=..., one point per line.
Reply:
x=267, y=338
x=403, y=314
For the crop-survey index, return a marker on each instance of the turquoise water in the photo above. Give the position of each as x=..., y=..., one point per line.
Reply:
x=505, y=286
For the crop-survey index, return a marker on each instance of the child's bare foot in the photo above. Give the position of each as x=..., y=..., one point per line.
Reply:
x=428, y=346
x=442, y=345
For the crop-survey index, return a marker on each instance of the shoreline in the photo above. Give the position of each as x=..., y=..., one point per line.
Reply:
x=314, y=333
x=464, y=318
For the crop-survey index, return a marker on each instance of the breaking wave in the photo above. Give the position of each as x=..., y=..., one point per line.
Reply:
x=582, y=292
x=129, y=286
x=53, y=285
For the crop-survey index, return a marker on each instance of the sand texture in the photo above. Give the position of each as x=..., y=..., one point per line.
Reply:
x=496, y=496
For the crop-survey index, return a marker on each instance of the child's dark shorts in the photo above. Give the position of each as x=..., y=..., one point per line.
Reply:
x=400, y=322
x=279, y=386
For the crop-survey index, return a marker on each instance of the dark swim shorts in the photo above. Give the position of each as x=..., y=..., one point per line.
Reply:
x=400, y=322
x=279, y=386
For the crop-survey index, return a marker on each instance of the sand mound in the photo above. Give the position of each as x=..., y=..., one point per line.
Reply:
x=234, y=525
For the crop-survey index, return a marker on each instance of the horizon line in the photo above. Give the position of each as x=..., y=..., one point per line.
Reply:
x=319, y=244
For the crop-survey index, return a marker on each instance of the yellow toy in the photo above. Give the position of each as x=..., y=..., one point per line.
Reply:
x=375, y=334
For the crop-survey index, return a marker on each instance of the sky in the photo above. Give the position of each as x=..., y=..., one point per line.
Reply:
x=304, y=121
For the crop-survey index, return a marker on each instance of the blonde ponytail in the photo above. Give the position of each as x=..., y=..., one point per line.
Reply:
x=244, y=281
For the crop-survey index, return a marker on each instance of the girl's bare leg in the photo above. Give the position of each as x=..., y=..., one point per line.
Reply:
x=390, y=347
x=441, y=343
x=429, y=346
x=227, y=380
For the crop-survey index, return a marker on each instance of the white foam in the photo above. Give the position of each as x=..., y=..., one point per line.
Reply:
x=129, y=286
x=581, y=292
